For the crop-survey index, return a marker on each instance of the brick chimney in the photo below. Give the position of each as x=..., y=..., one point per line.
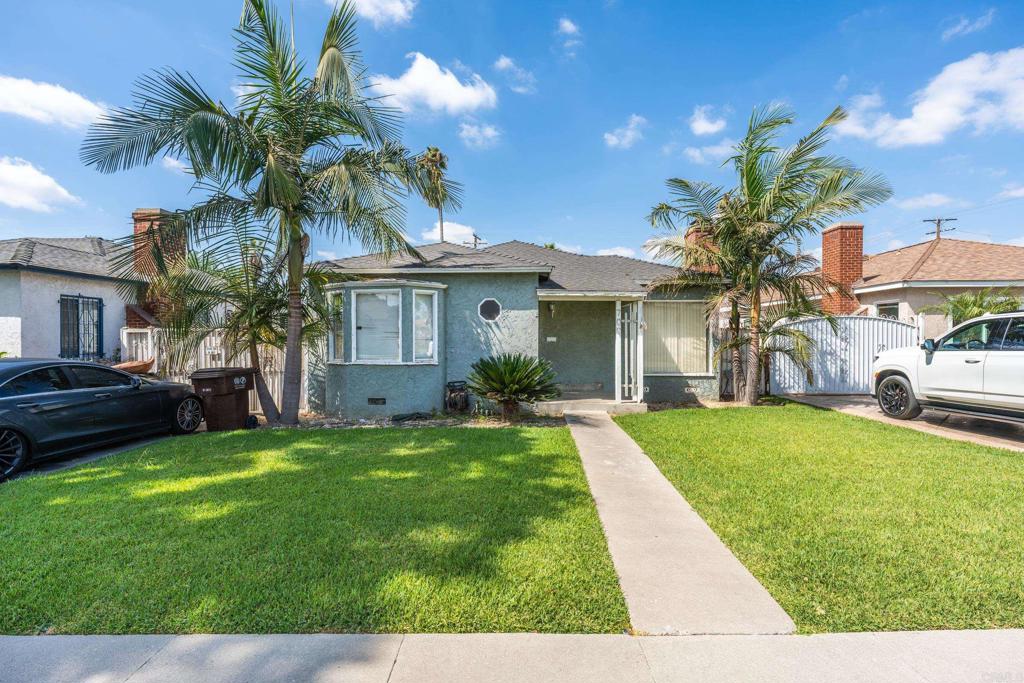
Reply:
x=147, y=235
x=842, y=261
x=695, y=235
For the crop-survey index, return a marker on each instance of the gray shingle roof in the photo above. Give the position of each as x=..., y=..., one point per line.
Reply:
x=85, y=255
x=579, y=273
x=439, y=256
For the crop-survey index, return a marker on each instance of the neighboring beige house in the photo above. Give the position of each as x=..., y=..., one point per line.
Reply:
x=901, y=282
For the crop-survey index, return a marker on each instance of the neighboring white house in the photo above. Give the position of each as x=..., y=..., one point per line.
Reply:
x=58, y=299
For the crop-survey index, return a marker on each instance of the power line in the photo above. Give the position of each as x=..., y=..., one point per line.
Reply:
x=938, y=226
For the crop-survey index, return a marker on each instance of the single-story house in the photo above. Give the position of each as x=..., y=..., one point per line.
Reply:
x=57, y=298
x=409, y=326
x=60, y=298
x=899, y=283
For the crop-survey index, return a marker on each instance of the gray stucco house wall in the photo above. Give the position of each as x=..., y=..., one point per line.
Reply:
x=360, y=389
x=578, y=339
x=555, y=305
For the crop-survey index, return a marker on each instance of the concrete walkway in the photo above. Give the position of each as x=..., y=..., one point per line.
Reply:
x=677, y=576
x=958, y=427
x=933, y=656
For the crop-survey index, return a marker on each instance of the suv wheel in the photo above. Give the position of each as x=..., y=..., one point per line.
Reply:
x=896, y=398
x=188, y=415
x=13, y=453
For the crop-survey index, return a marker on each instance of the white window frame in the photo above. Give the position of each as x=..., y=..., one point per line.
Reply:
x=878, y=313
x=432, y=293
x=334, y=354
x=501, y=309
x=708, y=361
x=355, y=308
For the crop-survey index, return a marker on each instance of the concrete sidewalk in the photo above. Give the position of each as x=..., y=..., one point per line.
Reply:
x=677, y=576
x=932, y=656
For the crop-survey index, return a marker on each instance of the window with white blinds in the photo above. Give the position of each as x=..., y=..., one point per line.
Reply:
x=378, y=322
x=676, y=338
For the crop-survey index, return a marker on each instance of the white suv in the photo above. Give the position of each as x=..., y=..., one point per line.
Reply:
x=976, y=368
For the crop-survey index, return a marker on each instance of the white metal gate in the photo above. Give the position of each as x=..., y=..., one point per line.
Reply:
x=842, y=359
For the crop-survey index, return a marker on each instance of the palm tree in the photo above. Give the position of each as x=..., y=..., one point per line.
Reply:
x=440, y=192
x=235, y=283
x=967, y=305
x=307, y=153
x=782, y=195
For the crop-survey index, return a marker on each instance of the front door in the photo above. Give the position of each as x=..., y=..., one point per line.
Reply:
x=628, y=333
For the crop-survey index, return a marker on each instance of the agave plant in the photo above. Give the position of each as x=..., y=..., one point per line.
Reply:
x=511, y=379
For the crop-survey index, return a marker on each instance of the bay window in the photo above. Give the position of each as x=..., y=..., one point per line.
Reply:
x=676, y=338
x=377, y=318
x=424, y=315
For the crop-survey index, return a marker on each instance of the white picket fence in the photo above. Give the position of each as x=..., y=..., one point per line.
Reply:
x=144, y=343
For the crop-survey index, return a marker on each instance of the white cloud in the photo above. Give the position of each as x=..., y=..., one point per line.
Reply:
x=46, y=103
x=718, y=152
x=925, y=201
x=841, y=83
x=895, y=244
x=1012, y=191
x=175, y=165
x=479, y=135
x=328, y=255
x=567, y=27
x=23, y=186
x=984, y=91
x=456, y=233
x=965, y=26
x=617, y=251
x=571, y=248
x=519, y=79
x=382, y=12
x=572, y=36
x=628, y=135
x=704, y=122
x=427, y=85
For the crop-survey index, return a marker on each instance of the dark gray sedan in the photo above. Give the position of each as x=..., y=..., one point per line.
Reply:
x=53, y=407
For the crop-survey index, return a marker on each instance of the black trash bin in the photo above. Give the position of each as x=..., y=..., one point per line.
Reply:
x=225, y=394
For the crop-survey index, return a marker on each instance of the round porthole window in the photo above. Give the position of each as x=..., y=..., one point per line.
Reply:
x=490, y=309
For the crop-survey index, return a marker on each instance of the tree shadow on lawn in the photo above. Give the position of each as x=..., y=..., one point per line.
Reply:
x=299, y=531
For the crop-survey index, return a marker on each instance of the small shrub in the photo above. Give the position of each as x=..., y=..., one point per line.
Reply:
x=513, y=378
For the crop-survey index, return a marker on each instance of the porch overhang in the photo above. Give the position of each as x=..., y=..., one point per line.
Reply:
x=569, y=295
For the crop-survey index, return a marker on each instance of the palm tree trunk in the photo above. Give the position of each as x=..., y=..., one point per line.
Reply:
x=267, y=404
x=737, y=354
x=753, y=388
x=440, y=221
x=293, y=338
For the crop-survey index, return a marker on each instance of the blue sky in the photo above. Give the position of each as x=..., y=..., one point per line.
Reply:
x=562, y=119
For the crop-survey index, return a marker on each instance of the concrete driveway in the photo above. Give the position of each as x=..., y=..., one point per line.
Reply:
x=959, y=427
x=66, y=462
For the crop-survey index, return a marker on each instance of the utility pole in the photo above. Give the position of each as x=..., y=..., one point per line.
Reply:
x=938, y=226
x=477, y=241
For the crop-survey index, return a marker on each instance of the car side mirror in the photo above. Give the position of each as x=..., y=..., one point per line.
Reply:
x=136, y=381
x=928, y=345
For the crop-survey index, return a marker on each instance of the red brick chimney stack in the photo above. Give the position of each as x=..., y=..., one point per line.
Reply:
x=842, y=261
x=147, y=225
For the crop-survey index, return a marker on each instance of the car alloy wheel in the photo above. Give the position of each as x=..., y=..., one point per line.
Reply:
x=12, y=452
x=190, y=414
x=893, y=397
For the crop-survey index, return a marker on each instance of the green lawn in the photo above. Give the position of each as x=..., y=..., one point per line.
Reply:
x=851, y=524
x=376, y=530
